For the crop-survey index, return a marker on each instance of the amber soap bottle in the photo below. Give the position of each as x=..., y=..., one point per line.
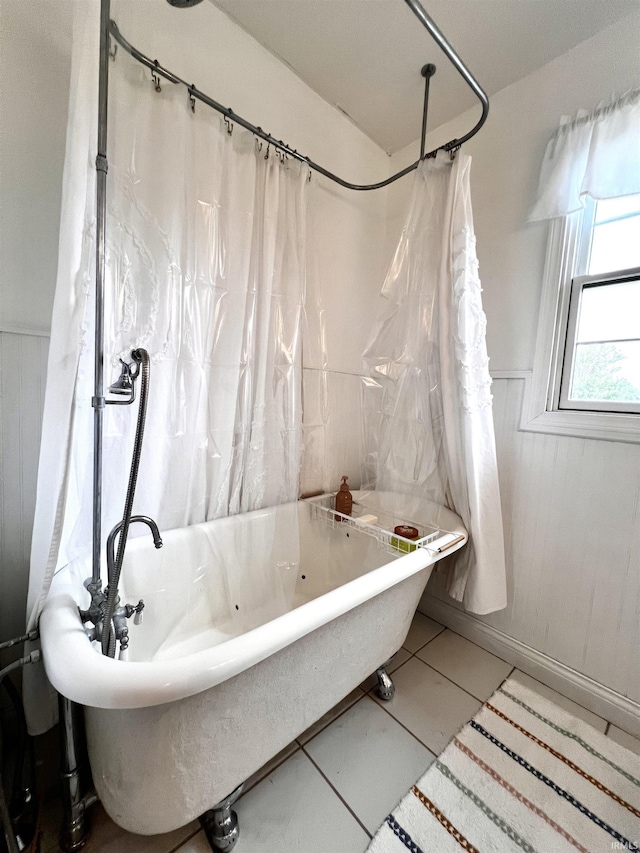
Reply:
x=344, y=498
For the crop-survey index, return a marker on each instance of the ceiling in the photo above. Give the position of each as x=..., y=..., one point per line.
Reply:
x=364, y=56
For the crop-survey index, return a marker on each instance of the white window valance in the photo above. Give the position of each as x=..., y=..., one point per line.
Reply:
x=594, y=153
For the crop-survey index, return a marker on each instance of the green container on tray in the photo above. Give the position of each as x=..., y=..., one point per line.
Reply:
x=406, y=532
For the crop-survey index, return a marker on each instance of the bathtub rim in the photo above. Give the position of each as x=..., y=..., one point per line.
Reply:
x=79, y=673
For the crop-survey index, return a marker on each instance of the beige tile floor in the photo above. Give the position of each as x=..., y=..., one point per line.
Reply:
x=329, y=790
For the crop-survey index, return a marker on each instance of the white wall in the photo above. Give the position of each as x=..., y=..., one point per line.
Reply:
x=346, y=230
x=35, y=39
x=23, y=364
x=571, y=506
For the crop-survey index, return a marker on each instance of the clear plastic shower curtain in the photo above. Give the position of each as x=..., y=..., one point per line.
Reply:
x=206, y=270
x=427, y=401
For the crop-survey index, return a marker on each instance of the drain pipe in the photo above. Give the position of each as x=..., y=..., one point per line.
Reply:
x=75, y=829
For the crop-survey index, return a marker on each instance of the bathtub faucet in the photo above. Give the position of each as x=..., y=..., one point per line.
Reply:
x=121, y=614
x=111, y=540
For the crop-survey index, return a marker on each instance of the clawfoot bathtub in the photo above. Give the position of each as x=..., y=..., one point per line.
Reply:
x=255, y=626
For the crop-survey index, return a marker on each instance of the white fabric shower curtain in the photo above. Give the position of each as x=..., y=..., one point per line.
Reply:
x=206, y=270
x=427, y=404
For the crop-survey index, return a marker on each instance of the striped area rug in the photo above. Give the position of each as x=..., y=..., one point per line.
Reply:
x=523, y=775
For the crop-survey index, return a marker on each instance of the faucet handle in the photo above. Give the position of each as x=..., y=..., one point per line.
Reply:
x=136, y=611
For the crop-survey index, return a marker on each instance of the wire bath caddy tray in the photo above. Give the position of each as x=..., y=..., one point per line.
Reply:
x=431, y=538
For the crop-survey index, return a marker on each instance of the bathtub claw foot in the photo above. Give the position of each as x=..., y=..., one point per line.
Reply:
x=386, y=687
x=220, y=823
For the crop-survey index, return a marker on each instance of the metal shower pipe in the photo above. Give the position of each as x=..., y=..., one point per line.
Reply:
x=98, y=400
x=428, y=22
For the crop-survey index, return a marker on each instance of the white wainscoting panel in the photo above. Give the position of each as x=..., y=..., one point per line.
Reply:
x=571, y=509
x=23, y=370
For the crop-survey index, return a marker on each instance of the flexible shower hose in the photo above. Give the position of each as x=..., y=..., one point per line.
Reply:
x=108, y=635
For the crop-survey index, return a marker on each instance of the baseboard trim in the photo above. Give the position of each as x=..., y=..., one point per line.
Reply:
x=602, y=700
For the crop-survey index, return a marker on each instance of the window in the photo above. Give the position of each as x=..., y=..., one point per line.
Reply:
x=601, y=359
x=586, y=369
x=586, y=375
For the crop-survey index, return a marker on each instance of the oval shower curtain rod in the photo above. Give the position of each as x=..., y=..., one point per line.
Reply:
x=427, y=72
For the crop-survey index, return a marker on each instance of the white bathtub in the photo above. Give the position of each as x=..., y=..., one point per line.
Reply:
x=254, y=627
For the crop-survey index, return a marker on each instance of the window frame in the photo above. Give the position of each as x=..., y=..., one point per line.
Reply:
x=566, y=257
x=578, y=285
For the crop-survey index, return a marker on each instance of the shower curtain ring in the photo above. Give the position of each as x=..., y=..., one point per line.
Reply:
x=191, y=98
x=229, y=125
x=113, y=50
x=266, y=156
x=155, y=78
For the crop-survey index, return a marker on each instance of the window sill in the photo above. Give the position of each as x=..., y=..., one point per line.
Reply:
x=602, y=426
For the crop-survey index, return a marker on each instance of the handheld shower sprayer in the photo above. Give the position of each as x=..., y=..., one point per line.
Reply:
x=124, y=385
x=124, y=382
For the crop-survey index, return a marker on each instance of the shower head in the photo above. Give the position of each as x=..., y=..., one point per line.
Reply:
x=183, y=4
x=124, y=383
